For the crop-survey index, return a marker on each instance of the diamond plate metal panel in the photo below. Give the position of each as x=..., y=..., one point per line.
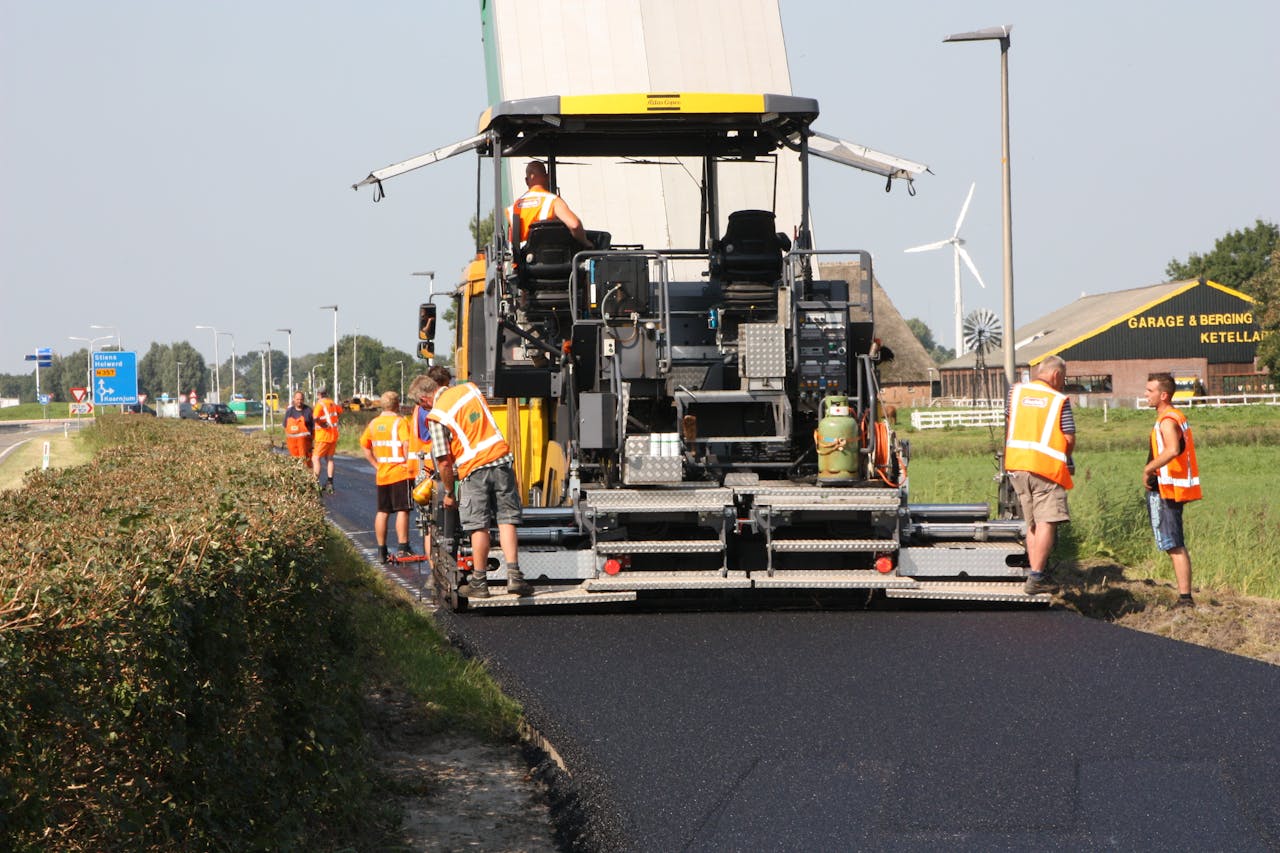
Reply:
x=557, y=564
x=950, y=559
x=661, y=546
x=668, y=580
x=652, y=470
x=833, y=579
x=820, y=546
x=970, y=591
x=764, y=350
x=550, y=597
x=671, y=500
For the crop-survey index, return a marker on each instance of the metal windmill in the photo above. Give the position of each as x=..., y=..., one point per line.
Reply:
x=982, y=334
x=956, y=242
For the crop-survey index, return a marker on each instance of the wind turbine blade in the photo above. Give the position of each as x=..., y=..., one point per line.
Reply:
x=968, y=261
x=928, y=246
x=964, y=209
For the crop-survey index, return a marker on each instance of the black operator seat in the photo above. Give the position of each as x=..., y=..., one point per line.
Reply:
x=545, y=261
x=751, y=248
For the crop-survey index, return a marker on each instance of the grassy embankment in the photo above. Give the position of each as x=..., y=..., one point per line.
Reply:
x=151, y=652
x=1233, y=534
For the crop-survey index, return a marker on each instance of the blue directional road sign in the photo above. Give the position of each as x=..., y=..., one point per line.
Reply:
x=42, y=356
x=115, y=378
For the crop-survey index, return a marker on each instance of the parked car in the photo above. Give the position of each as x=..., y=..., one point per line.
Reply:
x=218, y=413
x=140, y=409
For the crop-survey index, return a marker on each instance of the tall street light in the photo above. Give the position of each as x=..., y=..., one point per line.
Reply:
x=179, y=379
x=217, y=374
x=115, y=333
x=336, y=395
x=233, y=362
x=262, y=354
x=355, y=343
x=401, y=363
x=289, y=390
x=1001, y=34
x=88, y=359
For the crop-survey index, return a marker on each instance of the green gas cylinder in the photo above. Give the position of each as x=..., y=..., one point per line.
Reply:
x=836, y=440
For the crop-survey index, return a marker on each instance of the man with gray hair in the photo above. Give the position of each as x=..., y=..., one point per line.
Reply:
x=1040, y=436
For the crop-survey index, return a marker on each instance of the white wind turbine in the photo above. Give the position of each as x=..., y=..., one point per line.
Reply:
x=957, y=244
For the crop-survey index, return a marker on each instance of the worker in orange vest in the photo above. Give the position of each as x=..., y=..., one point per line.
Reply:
x=1039, y=438
x=299, y=429
x=469, y=448
x=386, y=447
x=539, y=204
x=1172, y=479
x=420, y=456
x=326, y=415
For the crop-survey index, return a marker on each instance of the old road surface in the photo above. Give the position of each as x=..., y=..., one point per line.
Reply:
x=886, y=729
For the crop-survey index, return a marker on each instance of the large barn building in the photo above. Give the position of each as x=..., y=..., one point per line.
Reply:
x=1112, y=341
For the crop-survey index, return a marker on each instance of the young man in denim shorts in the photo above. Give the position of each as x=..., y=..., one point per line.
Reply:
x=1171, y=478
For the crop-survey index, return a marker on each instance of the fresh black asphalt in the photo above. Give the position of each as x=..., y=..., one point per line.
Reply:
x=889, y=729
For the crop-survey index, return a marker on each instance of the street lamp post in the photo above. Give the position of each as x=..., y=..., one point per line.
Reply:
x=355, y=343
x=401, y=363
x=336, y=395
x=289, y=390
x=179, y=380
x=115, y=333
x=233, y=363
x=88, y=360
x=1001, y=34
x=262, y=354
x=217, y=374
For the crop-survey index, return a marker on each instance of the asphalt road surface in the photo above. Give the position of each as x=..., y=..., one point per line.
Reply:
x=885, y=729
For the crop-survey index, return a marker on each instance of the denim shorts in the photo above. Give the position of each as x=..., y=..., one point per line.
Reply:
x=489, y=495
x=1166, y=521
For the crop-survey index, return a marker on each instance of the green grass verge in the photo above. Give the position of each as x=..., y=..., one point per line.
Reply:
x=64, y=452
x=401, y=646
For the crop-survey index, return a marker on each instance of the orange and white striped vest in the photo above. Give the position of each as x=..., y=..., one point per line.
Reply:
x=387, y=436
x=474, y=436
x=534, y=206
x=326, y=414
x=1035, y=441
x=1180, y=478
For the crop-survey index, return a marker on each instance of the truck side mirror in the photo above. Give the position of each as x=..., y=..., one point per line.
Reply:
x=427, y=330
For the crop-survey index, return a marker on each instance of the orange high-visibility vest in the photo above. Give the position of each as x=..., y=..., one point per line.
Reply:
x=1035, y=441
x=533, y=206
x=1180, y=477
x=474, y=436
x=326, y=414
x=295, y=426
x=388, y=436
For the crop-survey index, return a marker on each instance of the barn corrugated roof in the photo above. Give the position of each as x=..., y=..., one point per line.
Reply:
x=1084, y=318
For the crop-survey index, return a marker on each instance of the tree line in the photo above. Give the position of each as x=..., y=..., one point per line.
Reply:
x=163, y=366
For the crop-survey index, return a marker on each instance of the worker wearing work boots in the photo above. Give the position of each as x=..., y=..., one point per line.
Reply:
x=469, y=448
x=1040, y=436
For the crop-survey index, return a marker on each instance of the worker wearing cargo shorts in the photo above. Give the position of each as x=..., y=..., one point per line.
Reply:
x=1039, y=439
x=326, y=413
x=386, y=447
x=469, y=449
x=299, y=429
x=1171, y=478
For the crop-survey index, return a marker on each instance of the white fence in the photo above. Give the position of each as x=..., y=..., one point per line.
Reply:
x=1216, y=402
x=938, y=418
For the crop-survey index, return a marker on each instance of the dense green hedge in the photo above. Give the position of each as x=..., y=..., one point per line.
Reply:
x=174, y=673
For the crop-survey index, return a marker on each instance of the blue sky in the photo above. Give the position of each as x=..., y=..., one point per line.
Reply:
x=173, y=164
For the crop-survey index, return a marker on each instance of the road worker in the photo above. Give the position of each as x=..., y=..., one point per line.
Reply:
x=538, y=204
x=469, y=448
x=326, y=415
x=1172, y=479
x=1039, y=439
x=385, y=442
x=299, y=429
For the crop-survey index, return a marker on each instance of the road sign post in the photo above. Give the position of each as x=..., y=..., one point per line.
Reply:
x=115, y=378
